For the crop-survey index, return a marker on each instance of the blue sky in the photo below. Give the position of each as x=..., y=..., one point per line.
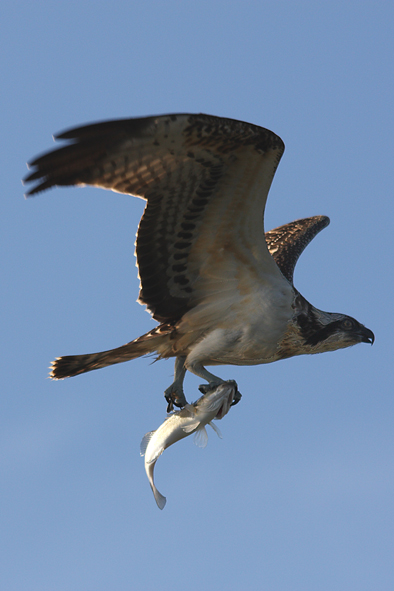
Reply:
x=299, y=493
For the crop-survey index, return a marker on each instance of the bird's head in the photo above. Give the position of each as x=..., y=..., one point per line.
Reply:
x=333, y=331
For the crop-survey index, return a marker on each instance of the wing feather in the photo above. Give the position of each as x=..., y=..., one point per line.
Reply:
x=287, y=243
x=206, y=181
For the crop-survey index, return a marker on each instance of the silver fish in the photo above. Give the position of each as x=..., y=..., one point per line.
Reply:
x=215, y=404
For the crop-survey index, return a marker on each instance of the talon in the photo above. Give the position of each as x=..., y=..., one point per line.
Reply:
x=174, y=397
x=205, y=388
x=237, y=397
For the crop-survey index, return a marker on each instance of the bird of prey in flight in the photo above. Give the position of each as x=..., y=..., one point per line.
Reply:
x=221, y=290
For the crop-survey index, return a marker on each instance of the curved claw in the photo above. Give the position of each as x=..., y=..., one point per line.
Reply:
x=174, y=396
x=205, y=388
x=237, y=397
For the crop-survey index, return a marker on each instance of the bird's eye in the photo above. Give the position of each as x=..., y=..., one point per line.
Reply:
x=347, y=324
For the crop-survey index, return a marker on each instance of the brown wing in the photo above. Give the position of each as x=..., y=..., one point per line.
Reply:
x=287, y=242
x=206, y=181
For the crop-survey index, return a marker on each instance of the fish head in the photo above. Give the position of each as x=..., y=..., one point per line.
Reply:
x=217, y=402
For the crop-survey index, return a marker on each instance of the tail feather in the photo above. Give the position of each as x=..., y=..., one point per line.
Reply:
x=73, y=365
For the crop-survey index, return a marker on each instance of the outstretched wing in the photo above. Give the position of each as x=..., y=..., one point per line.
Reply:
x=206, y=181
x=287, y=242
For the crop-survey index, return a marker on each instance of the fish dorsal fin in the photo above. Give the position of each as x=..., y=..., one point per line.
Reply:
x=201, y=437
x=216, y=429
x=145, y=440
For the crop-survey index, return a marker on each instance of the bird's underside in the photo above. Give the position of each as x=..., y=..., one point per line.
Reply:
x=221, y=290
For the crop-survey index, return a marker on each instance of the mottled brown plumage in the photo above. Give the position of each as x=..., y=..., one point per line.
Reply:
x=221, y=289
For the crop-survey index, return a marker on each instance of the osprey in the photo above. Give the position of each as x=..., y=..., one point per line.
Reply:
x=221, y=290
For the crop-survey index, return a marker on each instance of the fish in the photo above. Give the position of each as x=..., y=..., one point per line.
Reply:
x=192, y=418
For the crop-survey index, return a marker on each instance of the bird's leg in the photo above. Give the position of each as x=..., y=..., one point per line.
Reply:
x=174, y=394
x=199, y=370
x=213, y=381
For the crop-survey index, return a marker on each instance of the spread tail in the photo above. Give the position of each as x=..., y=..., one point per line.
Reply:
x=73, y=365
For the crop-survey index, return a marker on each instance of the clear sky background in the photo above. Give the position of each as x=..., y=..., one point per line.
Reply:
x=298, y=496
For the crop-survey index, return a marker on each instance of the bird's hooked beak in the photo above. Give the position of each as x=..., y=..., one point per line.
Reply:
x=367, y=336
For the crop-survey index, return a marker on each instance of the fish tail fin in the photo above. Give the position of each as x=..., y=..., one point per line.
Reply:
x=159, y=498
x=149, y=468
x=73, y=365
